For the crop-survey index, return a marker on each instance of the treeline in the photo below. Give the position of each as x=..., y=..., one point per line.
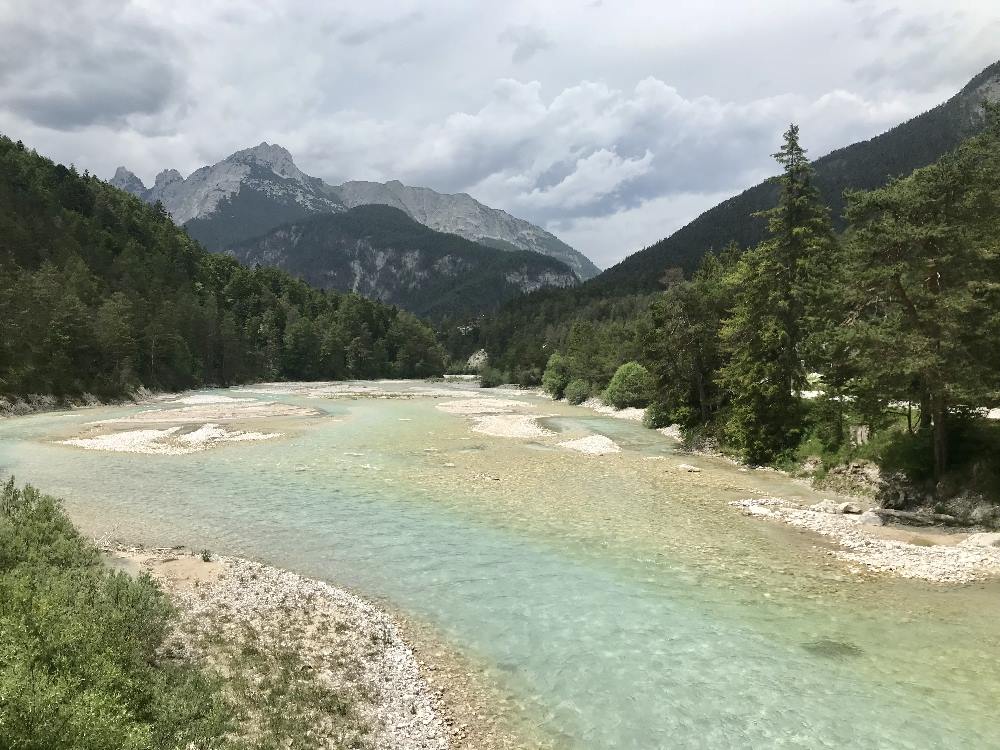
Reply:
x=101, y=293
x=890, y=328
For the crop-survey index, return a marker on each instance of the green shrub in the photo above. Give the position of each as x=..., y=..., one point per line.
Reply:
x=577, y=391
x=556, y=375
x=528, y=377
x=79, y=643
x=490, y=377
x=632, y=385
x=657, y=415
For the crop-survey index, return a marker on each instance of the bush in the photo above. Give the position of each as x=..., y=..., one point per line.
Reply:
x=632, y=385
x=80, y=666
x=577, y=391
x=657, y=415
x=490, y=377
x=528, y=377
x=556, y=376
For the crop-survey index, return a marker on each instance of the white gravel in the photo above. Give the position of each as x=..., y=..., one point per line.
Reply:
x=169, y=441
x=511, y=425
x=941, y=563
x=468, y=406
x=594, y=445
x=631, y=414
x=330, y=629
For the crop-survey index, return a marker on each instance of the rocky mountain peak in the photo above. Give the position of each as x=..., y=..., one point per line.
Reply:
x=167, y=177
x=127, y=181
x=276, y=158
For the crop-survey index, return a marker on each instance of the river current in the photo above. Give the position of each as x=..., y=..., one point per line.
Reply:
x=618, y=600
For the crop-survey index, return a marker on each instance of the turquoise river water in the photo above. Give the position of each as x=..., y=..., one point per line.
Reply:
x=618, y=600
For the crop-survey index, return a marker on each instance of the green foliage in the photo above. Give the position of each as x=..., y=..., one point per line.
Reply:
x=578, y=391
x=924, y=302
x=556, y=375
x=683, y=351
x=491, y=377
x=102, y=293
x=776, y=285
x=79, y=643
x=632, y=385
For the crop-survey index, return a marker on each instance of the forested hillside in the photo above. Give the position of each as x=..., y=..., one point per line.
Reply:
x=381, y=253
x=861, y=166
x=879, y=342
x=548, y=316
x=102, y=293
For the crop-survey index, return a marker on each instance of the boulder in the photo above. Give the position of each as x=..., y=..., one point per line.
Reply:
x=827, y=506
x=870, y=518
x=688, y=468
x=852, y=508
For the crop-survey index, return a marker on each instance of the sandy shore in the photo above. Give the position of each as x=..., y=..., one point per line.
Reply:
x=929, y=554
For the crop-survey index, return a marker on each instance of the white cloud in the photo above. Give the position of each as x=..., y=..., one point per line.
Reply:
x=610, y=124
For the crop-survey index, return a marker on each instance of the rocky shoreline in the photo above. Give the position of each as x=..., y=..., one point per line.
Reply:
x=925, y=554
x=341, y=646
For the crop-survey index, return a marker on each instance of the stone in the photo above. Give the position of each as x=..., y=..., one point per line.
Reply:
x=689, y=468
x=870, y=518
x=853, y=508
x=826, y=506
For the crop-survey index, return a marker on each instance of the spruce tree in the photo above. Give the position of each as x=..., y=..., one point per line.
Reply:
x=924, y=283
x=779, y=300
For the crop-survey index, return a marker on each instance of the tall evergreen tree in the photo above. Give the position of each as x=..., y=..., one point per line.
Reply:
x=778, y=297
x=925, y=286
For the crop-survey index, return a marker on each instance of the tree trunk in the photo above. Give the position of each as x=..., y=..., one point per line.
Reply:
x=940, y=435
x=925, y=411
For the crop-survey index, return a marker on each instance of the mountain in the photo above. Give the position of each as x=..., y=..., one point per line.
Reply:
x=258, y=189
x=101, y=294
x=865, y=165
x=463, y=215
x=381, y=253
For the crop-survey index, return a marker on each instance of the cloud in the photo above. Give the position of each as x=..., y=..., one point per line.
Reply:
x=609, y=128
x=370, y=31
x=527, y=41
x=67, y=68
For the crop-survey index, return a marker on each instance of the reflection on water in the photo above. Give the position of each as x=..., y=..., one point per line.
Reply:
x=618, y=597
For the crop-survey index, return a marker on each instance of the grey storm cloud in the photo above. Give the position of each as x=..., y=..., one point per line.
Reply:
x=84, y=63
x=609, y=123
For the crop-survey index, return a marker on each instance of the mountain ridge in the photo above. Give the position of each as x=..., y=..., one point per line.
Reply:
x=382, y=253
x=259, y=188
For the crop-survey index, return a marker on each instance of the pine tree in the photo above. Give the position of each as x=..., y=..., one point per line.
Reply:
x=925, y=286
x=778, y=300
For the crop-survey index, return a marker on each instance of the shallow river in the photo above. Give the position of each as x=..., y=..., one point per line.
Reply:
x=617, y=600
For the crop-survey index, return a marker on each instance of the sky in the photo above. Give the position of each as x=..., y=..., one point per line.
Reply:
x=610, y=123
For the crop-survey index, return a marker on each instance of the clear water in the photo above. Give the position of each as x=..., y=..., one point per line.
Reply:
x=621, y=602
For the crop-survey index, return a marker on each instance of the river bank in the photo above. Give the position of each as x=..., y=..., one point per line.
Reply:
x=348, y=671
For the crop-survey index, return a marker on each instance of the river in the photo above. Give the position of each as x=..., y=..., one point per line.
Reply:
x=617, y=600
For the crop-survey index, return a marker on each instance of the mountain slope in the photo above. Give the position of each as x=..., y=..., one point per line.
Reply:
x=463, y=215
x=379, y=252
x=260, y=188
x=865, y=165
x=101, y=293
